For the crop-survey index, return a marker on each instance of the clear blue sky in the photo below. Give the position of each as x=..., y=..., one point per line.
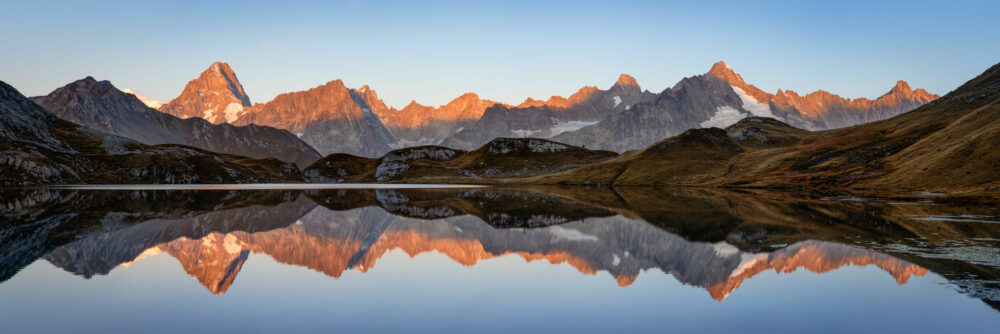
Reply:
x=504, y=50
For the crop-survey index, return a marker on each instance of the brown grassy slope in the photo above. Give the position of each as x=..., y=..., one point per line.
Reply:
x=339, y=167
x=695, y=157
x=945, y=145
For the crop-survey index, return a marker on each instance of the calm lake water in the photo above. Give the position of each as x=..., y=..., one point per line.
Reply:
x=225, y=259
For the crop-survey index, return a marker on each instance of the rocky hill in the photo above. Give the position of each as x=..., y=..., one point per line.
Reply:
x=37, y=147
x=499, y=159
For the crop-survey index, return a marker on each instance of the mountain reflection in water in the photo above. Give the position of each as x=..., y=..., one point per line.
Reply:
x=710, y=239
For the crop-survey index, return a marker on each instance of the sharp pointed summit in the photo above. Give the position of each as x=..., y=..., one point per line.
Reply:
x=626, y=80
x=216, y=95
x=722, y=71
x=901, y=86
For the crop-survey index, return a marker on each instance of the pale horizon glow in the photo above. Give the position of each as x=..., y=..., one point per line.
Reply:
x=433, y=52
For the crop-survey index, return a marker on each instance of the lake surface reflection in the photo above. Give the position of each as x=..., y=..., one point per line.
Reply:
x=493, y=260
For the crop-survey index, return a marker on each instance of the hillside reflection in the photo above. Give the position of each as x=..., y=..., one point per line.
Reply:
x=709, y=239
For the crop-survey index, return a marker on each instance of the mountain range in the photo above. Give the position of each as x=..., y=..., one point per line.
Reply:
x=946, y=144
x=728, y=134
x=334, y=118
x=720, y=98
x=943, y=145
x=100, y=106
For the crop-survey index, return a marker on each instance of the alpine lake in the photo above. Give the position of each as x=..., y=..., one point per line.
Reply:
x=463, y=259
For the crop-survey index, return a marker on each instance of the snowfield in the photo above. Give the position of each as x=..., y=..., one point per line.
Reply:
x=560, y=126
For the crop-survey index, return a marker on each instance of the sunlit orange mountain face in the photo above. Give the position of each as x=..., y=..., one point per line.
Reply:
x=334, y=118
x=216, y=96
x=709, y=130
x=686, y=234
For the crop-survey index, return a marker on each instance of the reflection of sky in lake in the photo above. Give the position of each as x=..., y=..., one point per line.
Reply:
x=432, y=293
x=490, y=260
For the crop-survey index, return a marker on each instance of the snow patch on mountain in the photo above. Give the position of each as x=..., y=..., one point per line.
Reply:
x=724, y=116
x=403, y=142
x=618, y=100
x=753, y=106
x=523, y=133
x=145, y=100
x=208, y=115
x=562, y=233
x=724, y=249
x=233, y=111
x=560, y=126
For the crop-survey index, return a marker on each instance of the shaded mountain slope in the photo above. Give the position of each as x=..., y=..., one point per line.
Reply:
x=36, y=147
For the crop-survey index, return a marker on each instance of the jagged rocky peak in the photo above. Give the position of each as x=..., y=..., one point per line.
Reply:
x=722, y=71
x=902, y=90
x=76, y=90
x=415, y=105
x=465, y=98
x=901, y=86
x=89, y=86
x=89, y=93
x=222, y=70
x=626, y=80
x=216, y=95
